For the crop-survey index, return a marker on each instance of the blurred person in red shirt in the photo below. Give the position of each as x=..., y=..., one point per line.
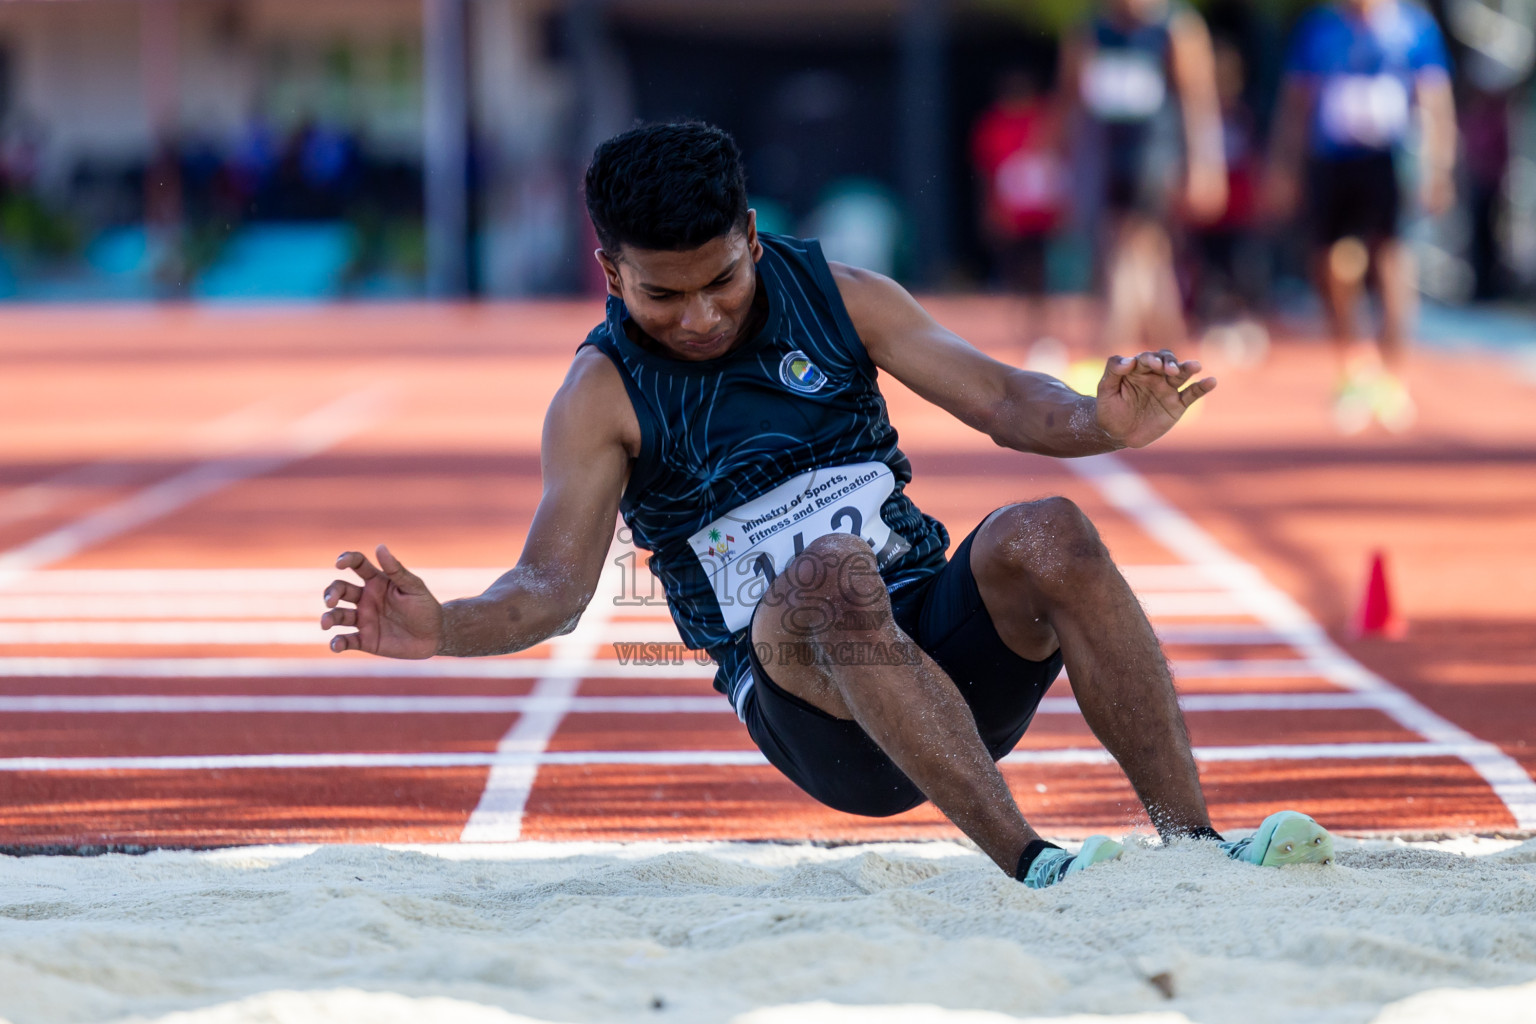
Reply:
x=1015, y=149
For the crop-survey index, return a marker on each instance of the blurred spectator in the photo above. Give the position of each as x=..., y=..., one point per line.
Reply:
x=1231, y=275
x=1015, y=151
x=1485, y=124
x=315, y=174
x=1139, y=82
x=253, y=160
x=857, y=222
x=29, y=228
x=1355, y=73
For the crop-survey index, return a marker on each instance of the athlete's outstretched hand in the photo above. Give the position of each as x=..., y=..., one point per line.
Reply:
x=1140, y=399
x=395, y=615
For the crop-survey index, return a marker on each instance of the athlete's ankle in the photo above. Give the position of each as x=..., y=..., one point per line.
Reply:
x=1196, y=832
x=1027, y=858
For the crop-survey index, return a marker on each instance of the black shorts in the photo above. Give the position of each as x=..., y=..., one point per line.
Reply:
x=836, y=762
x=1355, y=196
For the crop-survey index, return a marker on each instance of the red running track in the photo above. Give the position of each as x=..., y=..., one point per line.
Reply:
x=175, y=483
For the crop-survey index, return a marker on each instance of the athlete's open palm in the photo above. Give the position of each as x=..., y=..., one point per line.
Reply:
x=395, y=615
x=1140, y=399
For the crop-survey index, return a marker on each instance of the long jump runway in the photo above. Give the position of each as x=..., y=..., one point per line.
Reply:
x=175, y=484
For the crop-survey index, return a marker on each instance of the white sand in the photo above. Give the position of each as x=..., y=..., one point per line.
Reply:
x=751, y=933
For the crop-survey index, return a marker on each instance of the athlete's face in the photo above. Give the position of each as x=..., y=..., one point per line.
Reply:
x=696, y=302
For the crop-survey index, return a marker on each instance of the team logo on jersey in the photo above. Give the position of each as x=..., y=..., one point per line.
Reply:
x=800, y=374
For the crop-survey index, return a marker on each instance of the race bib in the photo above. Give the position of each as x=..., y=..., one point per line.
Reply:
x=1364, y=110
x=1119, y=85
x=744, y=550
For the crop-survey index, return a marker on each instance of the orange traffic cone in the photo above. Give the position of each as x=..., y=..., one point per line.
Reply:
x=1376, y=617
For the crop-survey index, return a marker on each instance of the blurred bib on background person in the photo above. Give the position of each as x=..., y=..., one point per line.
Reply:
x=1123, y=85
x=1369, y=111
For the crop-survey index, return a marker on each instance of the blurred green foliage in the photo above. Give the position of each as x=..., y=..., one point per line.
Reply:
x=35, y=229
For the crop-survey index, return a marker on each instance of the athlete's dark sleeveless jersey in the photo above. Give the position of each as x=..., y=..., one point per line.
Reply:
x=746, y=458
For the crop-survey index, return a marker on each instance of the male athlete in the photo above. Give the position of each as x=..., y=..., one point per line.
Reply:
x=728, y=408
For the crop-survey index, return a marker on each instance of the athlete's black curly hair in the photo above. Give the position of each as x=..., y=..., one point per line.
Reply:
x=666, y=186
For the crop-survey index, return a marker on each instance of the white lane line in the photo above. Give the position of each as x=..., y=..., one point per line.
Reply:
x=217, y=582
x=85, y=610
x=374, y=704
x=194, y=618
x=349, y=666
x=1198, y=702
x=1244, y=668
x=1144, y=578
x=530, y=760
x=463, y=705
x=1130, y=493
x=301, y=627
x=1257, y=752
x=216, y=632
x=308, y=436
x=348, y=704
x=498, y=816
x=1217, y=634
x=1173, y=576
x=191, y=610
x=1189, y=604
x=688, y=666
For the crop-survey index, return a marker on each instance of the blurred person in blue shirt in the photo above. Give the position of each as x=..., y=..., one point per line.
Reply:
x=1358, y=74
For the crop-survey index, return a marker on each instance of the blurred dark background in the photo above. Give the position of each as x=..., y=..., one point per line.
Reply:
x=294, y=149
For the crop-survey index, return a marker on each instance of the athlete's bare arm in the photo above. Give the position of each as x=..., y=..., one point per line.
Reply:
x=1138, y=399
x=590, y=435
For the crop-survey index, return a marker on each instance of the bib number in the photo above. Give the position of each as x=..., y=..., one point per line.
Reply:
x=1123, y=86
x=744, y=550
x=1364, y=110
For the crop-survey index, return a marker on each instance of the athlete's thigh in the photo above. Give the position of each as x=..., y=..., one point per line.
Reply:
x=1018, y=613
x=831, y=585
x=953, y=624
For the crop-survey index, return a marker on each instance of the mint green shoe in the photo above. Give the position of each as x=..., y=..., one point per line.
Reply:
x=1285, y=837
x=1051, y=866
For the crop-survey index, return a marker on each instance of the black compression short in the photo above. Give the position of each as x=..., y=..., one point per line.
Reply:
x=1353, y=196
x=836, y=762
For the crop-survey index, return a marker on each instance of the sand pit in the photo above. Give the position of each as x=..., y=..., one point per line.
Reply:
x=765, y=934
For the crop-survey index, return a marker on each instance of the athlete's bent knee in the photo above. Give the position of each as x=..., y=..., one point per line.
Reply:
x=1049, y=540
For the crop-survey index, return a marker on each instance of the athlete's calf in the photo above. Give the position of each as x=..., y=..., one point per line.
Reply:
x=830, y=599
x=1047, y=579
